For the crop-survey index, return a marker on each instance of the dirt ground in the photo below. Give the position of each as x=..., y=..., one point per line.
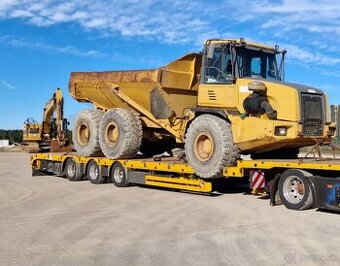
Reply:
x=51, y=221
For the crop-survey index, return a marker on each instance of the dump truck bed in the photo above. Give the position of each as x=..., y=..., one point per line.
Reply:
x=177, y=82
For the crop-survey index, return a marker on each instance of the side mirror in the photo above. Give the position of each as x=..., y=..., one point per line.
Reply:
x=210, y=52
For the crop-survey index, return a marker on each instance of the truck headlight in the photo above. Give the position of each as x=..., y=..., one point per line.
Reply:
x=280, y=131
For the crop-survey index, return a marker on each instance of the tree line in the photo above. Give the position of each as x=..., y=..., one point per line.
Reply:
x=13, y=135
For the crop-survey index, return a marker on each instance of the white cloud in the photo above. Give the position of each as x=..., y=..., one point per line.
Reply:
x=297, y=24
x=310, y=57
x=7, y=85
x=68, y=50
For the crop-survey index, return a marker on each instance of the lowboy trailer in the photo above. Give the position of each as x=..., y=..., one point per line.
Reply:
x=297, y=184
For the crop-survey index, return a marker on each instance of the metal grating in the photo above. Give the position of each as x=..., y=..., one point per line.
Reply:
x=312, y=114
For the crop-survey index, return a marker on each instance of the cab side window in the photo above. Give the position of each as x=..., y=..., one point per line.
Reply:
x=218, y=68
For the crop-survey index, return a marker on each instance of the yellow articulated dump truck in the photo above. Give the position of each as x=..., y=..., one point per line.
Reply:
x=228, y=100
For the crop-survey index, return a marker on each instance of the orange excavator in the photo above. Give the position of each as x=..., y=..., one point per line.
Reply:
x=50, y=135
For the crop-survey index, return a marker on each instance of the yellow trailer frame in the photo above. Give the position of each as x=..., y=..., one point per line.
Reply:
x=169, y=173
x=320, y=179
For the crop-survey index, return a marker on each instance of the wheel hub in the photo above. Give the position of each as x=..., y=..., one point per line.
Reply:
x=112, y=134
x=93, y=172
x=71, y=169
x=294, y=189
x=83, y=134
x=203, y=146
x=118, y=174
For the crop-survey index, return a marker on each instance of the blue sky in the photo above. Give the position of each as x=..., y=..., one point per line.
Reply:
x=42, y=41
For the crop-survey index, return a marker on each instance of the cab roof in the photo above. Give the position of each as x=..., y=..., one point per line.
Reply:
x=240, y=41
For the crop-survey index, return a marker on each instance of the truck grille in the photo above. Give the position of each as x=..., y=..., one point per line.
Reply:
x=312, y=114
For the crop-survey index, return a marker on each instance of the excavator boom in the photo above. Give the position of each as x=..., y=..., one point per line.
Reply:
x=50, y=135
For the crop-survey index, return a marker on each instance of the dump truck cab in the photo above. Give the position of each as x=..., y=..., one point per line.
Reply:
x=226, y=60
x=246, y=81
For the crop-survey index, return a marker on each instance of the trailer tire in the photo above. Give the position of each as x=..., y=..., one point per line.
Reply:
x=72, y=170
x=86, y=133
x=120, y=133
x=209, y=146
x=295, y=189
x=118, y=175
x=93, y=173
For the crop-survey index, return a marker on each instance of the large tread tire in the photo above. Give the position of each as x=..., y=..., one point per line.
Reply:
x=89, y=146
x=128, y=134
x=137, y=133
x=223, y=150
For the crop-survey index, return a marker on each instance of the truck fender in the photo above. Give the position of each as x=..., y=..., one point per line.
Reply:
x=218, y=112
x=274, y=191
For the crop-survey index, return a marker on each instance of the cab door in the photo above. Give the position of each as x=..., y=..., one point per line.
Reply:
x=217, y=88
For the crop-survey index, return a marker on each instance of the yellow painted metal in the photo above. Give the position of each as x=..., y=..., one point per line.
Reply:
x=218, y=96
x=184, y=177
x=198, y=185
x=178, y=82
x=31, y=131
x=238, y=170
x=133, y=164
x=244, y=42
x=171, y=166
x=164, y=123
x=331, y=165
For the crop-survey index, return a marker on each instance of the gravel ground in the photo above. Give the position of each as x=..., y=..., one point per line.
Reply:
x=51, y=221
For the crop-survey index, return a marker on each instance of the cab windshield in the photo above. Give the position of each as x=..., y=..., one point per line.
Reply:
x=256, y=64
x=224, y=64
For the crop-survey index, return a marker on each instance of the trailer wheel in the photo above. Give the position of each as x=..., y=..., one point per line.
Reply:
x=86, y=133
x=295, y=190
x=120, y=133
x=72, y=170
x=118, y=175
x=93, y=173
x=209, y=146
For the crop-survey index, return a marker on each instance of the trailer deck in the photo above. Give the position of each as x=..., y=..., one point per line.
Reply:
x=320, y=179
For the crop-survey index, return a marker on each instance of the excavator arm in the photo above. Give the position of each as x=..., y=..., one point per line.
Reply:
x=53, y=126
x=52, y=130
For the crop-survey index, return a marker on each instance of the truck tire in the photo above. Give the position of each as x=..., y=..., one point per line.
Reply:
x=86, y=133
x=72, y=170
x=120, y=133
x=295, y=189
x=209, y=146
x=118, y=175
x=137, y=129
x=93, y=173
